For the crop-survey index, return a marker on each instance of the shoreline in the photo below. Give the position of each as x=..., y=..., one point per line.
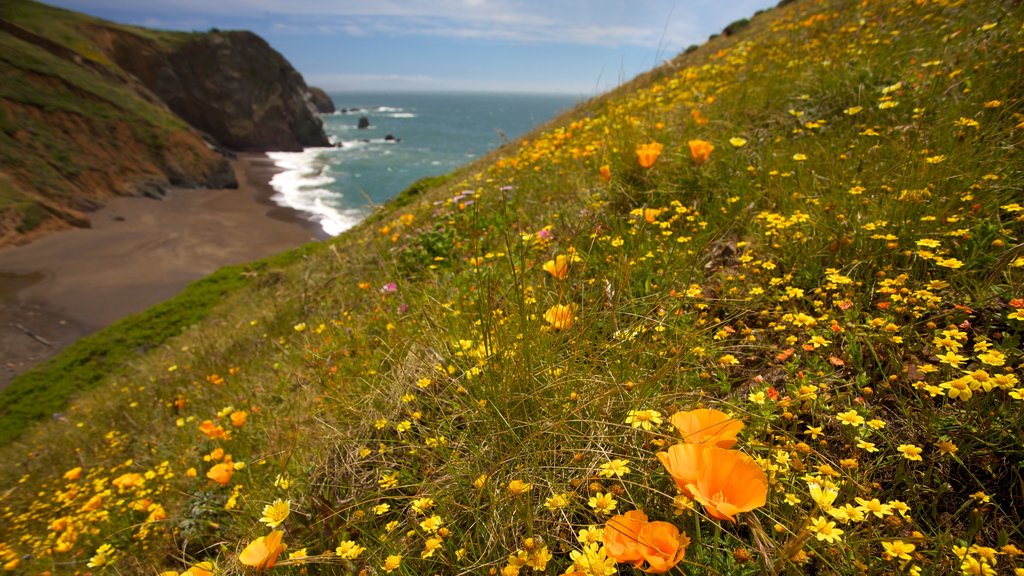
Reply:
x=138, y=253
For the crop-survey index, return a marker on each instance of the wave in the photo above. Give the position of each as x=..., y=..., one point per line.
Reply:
x=403, y=115
x=301, y=186
x=388, y=109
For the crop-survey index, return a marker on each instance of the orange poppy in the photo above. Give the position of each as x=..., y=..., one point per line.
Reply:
x=681, y=461
x=622, y=535
x=647, y=154
x=221, y=473
x=263, y=552
x=700, y=150
x=238, y=418
x=728, y=482
x=662, y=546
x=707, y=426
x=606, y=172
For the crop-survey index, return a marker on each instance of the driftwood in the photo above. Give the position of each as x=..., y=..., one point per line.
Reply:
x=33, y=335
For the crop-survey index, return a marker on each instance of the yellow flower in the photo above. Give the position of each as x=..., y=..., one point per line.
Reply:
x=910, y=451
x=276, y=513
x=517, y=487
x=825, y=530
x=850, y=418
x=557, y=502
x=616, y=467
x=603, y=503
x=559, y=316
x=349, y=550
x=645, y=419
x=737, y=142
x=558, y=268
x=391, y=563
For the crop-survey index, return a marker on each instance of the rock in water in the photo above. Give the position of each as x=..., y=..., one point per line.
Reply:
x=364, y=123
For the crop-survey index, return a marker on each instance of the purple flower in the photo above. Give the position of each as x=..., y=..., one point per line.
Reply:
x=544, y=234
x=389, y=288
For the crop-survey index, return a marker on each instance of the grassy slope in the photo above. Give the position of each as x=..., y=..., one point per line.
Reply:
x=830, y=282
x=53, y=107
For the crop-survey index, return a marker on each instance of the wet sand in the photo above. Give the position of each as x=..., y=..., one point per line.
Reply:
x=139, y=252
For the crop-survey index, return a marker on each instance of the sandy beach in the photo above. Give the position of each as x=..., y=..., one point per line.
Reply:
x=138, y=252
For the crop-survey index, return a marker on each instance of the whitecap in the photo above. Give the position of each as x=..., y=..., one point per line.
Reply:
x=301, y=186
x=403, y=115
x=388, y=109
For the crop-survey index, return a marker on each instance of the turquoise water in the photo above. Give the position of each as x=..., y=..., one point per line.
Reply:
x=438, y=132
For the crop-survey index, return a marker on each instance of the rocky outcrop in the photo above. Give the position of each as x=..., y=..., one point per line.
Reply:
x=231, y=85
x=321, y=100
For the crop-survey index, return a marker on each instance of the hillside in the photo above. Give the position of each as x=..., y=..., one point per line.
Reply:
x=90, y=109
x=758, y=311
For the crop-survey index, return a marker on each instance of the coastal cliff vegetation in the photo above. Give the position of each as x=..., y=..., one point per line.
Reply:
x=758, y=311
x=91, y=109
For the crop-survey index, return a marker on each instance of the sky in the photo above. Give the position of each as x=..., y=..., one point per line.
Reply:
x=578, y=47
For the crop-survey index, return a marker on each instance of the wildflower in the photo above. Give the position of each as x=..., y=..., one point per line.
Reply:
x=430, y=546
x=276, y=513
x=662, y=546
x=606, y=172
x=200, y=569
x=645, y=419
x=557, y=502
x=910, y=451
x=517, y=487
x=392, y=562
x=263, y=552
x=422, y=505
x=381, y=509
x=823, y=494
x=616, y=467
x=725, y=482
x=559, y=316
x=298, y=554
x=603, y=503
x=480, y=481
x=558, y=268
x=73, y=474
x=221, y=473
x=388, y=481
x=647, y=154
x=737, y=142
x=799, y=157
x=825, y=530
x=707, y=426
x=432, y=524
x=700, y=150
x=593, y=560
x=349, y=550
x=102, y=556
x=590, y=535
x=238, y=418
x=728, y=360
x=621, y=536
x=850, y=418
x=875, y=507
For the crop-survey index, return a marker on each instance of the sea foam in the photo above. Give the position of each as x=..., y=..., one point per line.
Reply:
x=300, y=185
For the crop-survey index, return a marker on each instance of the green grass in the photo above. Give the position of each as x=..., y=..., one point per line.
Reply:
x=45, y=390
x=838, y=274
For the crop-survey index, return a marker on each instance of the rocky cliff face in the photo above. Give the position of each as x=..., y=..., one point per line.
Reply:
x=91, y=109
x=231, y=85
x=321, y=100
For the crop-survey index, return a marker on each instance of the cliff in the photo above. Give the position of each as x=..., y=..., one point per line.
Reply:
x=231, y=85
x=91, y=109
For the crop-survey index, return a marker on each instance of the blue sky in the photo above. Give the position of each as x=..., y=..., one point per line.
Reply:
x=578, y=47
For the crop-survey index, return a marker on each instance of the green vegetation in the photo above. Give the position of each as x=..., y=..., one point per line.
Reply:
x=43, y=391
x=813, y=226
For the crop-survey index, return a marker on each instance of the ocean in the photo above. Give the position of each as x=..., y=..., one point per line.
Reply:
x=434, y=133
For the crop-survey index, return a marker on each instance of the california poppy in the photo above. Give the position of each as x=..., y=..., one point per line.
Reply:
x=700, y=150
x=621, y=537
x=728, y=482
x=263, y=552
x=707, y=426
x=661, y=545
x=682, y=461
x=606, y=172
x=647, y=154
x=221, y=473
